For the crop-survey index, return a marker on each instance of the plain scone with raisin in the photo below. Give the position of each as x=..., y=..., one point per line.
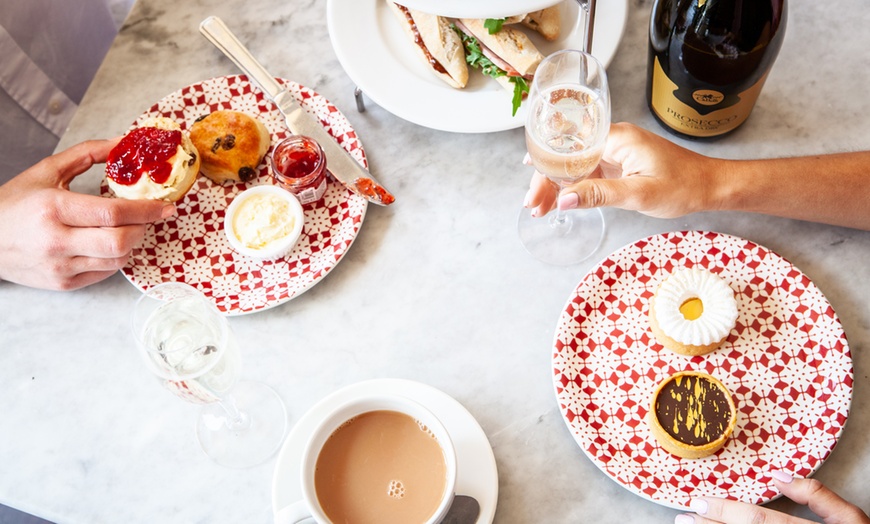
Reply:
x=232, y=145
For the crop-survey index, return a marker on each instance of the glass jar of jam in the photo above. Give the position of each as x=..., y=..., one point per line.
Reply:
x=299, y=166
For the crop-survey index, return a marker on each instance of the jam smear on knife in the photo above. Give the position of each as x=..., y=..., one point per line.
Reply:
x=373, y=190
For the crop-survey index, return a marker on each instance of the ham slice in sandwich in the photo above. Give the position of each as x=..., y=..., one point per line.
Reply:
x=507, y=55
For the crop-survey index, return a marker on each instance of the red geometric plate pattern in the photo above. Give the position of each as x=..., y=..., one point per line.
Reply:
x=786, y=363
x=191, y=246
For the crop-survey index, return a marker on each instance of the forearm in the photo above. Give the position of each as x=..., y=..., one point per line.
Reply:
x=833, y=189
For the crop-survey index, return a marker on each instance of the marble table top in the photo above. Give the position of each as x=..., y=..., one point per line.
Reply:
x=436, y=288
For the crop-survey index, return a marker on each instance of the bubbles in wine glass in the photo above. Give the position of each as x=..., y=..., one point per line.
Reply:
x=568, y=121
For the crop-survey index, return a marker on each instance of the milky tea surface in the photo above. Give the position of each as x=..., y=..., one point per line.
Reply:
x=380, y=467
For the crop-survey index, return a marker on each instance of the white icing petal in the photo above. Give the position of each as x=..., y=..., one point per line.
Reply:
x=719, y=307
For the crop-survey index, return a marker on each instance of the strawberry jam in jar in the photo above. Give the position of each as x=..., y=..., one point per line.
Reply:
x=299, y=166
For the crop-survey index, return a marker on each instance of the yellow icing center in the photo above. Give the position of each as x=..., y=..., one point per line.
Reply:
x=692, y=308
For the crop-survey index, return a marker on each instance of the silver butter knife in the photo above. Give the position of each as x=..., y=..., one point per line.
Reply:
x=338, y=161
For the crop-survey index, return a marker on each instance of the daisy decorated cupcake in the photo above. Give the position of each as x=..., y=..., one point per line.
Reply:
x=693, y=311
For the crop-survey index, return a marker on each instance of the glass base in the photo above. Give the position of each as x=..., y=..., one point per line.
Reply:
x=572, y=241
x=249, y=440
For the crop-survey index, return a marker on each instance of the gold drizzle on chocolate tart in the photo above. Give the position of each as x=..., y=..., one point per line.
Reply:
x=691, y=414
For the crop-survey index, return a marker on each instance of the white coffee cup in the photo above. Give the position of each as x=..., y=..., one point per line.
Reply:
x=309, y=506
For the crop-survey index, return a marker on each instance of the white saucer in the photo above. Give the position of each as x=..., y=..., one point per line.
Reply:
x=477, y=475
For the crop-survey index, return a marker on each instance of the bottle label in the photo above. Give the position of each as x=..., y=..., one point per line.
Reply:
x=685, y=119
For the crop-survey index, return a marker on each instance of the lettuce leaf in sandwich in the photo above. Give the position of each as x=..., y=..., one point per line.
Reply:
x=476, y=59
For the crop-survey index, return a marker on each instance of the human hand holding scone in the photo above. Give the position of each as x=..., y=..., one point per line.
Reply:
x=832, y=508
x=53, y=238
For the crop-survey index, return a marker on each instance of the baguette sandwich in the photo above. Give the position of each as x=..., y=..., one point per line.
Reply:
x=506, y=54
x=436, y=43
x=547, y=22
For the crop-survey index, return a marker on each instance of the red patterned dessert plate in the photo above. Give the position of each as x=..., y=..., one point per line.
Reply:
x=786, y=363
x=191, y=247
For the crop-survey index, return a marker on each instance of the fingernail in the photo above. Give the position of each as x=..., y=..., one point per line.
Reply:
x=782, y=477
x=527, y=198
x=535, y=212
x=168, y=211
x=699, y=506
x=527, y=160
x=684, y=519
x=569, y=201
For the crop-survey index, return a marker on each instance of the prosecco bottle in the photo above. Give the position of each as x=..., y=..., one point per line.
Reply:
x=708, y=60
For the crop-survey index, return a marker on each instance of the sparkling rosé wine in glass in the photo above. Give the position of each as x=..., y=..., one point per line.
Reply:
x=565, y=139
x=566, y=128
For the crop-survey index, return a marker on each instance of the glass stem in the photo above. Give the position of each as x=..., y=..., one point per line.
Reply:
x=236, y=419
x=560, y=220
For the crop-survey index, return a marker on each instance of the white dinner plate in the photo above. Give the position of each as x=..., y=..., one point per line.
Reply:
x=380, y=59
x=478, y=8
x=786, y=363
x=477, y=475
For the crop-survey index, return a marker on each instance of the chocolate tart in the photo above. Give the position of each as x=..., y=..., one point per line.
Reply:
x=691, y=414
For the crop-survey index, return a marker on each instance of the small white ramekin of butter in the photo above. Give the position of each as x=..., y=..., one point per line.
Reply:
x=264, y=222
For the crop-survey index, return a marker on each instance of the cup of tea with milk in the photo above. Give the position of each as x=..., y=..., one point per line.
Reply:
x=381, y=458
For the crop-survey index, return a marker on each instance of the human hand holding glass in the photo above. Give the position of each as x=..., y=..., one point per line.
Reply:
x=188, y=344
x=566, y=128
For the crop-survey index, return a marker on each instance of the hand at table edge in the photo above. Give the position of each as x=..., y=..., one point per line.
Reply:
x=832, y=508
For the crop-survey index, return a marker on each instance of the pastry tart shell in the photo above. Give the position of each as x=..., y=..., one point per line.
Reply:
x=677, y=447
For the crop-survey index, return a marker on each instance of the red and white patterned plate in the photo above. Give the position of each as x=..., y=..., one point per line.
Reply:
x=191, y=246
x=786, y=363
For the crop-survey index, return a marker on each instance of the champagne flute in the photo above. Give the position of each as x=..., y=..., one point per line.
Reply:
x=189, y=346
x=567, y=125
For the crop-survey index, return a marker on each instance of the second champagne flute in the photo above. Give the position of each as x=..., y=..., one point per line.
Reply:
x=566, y=128
x=188, y=344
